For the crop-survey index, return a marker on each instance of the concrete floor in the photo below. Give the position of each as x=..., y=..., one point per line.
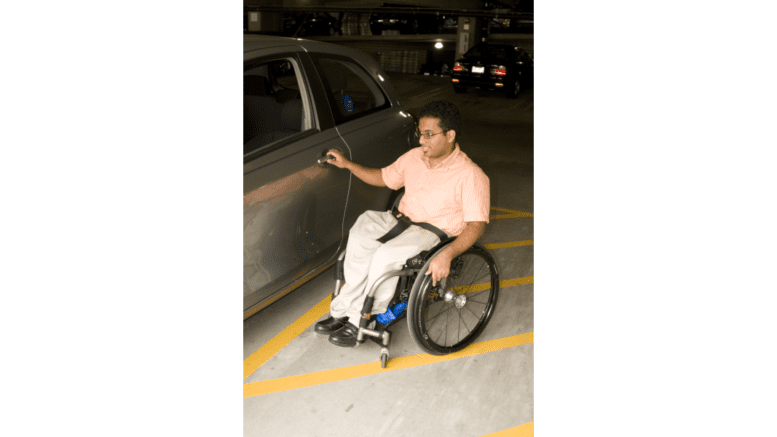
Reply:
x=298, y=384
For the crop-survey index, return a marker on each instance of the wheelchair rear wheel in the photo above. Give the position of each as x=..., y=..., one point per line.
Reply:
x=445, y=321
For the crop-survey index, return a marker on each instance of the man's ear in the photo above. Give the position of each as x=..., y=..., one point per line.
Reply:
x=451, y=136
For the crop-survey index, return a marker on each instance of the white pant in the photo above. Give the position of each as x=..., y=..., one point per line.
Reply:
x=366, y=260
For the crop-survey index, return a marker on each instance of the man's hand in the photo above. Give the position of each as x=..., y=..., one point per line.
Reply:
x=440, y=267
x=372, y=176
x=339, y=160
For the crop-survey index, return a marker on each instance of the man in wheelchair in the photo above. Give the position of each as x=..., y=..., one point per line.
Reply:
x=446, y=195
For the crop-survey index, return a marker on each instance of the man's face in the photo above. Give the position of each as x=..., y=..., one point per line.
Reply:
x=438, y=145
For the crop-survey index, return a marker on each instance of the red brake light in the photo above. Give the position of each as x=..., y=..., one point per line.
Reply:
x=457, y=67
x=499, y=71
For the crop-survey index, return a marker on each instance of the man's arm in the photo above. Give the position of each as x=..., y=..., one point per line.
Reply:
x=372, y=176
x=440, y=266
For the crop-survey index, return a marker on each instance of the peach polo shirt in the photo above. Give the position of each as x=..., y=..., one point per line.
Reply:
x=456, y=191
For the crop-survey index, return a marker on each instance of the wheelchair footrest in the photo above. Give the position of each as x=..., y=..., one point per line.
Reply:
x=381, y=334
x=379, y=340
x=391, y=313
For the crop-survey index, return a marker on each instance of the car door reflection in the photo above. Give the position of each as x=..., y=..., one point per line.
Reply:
x=291, y=225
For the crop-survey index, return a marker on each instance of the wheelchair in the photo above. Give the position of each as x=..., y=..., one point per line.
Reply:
x=441, y=319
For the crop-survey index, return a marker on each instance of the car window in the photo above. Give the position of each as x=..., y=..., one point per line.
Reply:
x=482, y=50
x=275, y=104
x=351, y=91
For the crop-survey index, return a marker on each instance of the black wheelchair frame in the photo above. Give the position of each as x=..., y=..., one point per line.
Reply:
x=427, y=304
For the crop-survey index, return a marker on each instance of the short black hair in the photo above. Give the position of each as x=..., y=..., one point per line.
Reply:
x=447, y=112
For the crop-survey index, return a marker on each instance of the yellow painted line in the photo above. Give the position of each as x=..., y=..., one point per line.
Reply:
x=510, y=244
x=463, y=289
x=512, y=213
x=272, y=347
x=326, y=376
x=507, y=216
x=525, y=430
x=486, y=285
x=285, y=337
x=517, y=281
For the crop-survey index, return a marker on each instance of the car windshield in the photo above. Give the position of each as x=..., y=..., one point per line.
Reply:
x=489, y=51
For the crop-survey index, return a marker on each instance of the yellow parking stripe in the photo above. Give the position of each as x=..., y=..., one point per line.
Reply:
x=285, y=337
x=474, y=288
x=507, y=216
x=272, y=347
x=486, y=285
x=525, y=430
x=511, y=213
x=326, y=376
x=517, y=281
x=510, y=244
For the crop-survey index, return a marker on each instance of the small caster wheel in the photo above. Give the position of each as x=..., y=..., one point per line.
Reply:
x=383, y=359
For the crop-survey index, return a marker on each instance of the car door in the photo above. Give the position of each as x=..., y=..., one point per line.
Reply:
x=293, y=206
x=376, y=132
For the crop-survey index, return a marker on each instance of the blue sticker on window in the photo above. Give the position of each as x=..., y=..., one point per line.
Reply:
x=348, y=104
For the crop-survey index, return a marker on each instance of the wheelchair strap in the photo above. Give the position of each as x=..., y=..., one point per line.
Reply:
x=403, y=223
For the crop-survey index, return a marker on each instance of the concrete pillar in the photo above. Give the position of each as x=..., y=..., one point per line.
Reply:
x=467, y=35
x=261, y=21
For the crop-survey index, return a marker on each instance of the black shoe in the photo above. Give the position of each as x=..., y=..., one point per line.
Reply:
x=345, y=336
x=330, y=325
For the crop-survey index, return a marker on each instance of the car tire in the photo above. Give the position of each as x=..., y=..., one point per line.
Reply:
x=515, y=89
x=460, y=89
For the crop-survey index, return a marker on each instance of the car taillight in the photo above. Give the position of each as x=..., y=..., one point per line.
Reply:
x=458, y=67
x=499, y=71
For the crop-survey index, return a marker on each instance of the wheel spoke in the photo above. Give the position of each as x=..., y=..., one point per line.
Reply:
x=458, y=328
x=487, y=296
x=461, y=318
x=445, y=330
x=477, y=275
x=477, y=280
x=477, y=301
x=470, y=310
x=486, y=291
x=435, y=318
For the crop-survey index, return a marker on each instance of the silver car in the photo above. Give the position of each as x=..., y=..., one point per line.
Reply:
x=302, y=98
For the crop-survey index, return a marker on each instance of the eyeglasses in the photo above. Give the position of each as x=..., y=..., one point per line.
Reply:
x=426, y=135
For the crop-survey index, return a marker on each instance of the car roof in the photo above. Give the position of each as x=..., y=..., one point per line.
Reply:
x=253, y=42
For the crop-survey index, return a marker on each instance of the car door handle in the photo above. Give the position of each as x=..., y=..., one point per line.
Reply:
x=322, y=161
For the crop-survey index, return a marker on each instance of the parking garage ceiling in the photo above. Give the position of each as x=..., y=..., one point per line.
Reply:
x=504, y=8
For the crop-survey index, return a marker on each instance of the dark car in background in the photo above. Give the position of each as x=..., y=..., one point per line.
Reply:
x=310, y=24
x=300, y=99
x=500, y=67
x=392, y=23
